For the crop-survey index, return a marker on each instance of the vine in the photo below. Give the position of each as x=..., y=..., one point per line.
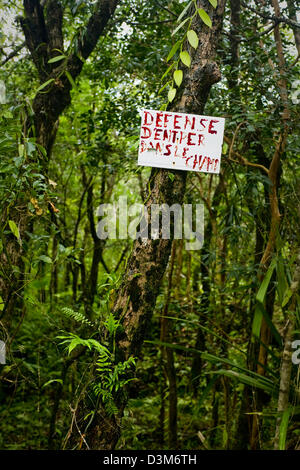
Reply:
x=178, y=53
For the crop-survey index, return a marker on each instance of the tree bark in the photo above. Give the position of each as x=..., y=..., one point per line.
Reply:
x=136, y=297
x=42, y=27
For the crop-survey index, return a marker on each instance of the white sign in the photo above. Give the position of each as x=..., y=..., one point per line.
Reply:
x=181, y=141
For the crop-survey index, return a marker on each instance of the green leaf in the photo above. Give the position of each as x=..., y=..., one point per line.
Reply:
x=178, y=76
x=41, y=148
x=214, y=3
x=245, y=379
x=185, y=58
x=70, y=78
x=13, y=227
x=30, y=148
x=111, y=324
x=184, y=11
x=173, y=50
x=283, y=428
x=204, y=17
x=261, y=294
x=53, y=380
x=44, y=85
x=75, y=342
x=193, y=38
x=287, y=295
x=163, y=107
x=167, y=71
x=282, y=284
x=224, y=148
x=256, y=324
x=260, y=312
x=45, y=258
x=21, y=150
x=171, y=94
x=180, y=26
x=215, y=360
x=56, y=59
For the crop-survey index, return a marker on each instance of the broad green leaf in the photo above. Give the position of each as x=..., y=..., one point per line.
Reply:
x=173, y=50
x=204, y=17
x=56, y=59
x=171, y=94
x=178, y=76
x=180, y=26
x=45, y=258
x=185, y=58
x=261, y=294
x=30, y=148
x=214, y=3
x=13, y=227
x=282, y=284
x=193, y=38
x=224, y=148
x=44, y=85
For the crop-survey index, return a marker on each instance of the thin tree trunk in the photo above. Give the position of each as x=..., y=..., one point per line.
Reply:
x=274, y=176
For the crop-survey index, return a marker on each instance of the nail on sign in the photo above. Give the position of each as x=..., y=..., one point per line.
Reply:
x=181, y=141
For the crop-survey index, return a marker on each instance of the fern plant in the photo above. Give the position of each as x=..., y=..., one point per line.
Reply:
x=77, y=316
x=111, y=379
x=111, y=376
x=72, y=341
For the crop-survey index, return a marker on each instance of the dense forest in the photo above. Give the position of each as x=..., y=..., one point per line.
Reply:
x=138, y=342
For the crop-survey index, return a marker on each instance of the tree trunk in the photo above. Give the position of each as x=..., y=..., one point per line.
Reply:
x=42, y=26
x=286, y=364
x=147, y=263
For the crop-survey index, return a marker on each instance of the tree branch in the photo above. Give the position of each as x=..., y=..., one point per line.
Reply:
x=243, y=160
x=273, y=18
x=104, y=9
x=13, y=53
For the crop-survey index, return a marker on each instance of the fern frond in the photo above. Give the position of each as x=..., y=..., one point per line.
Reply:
x=77, y=316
